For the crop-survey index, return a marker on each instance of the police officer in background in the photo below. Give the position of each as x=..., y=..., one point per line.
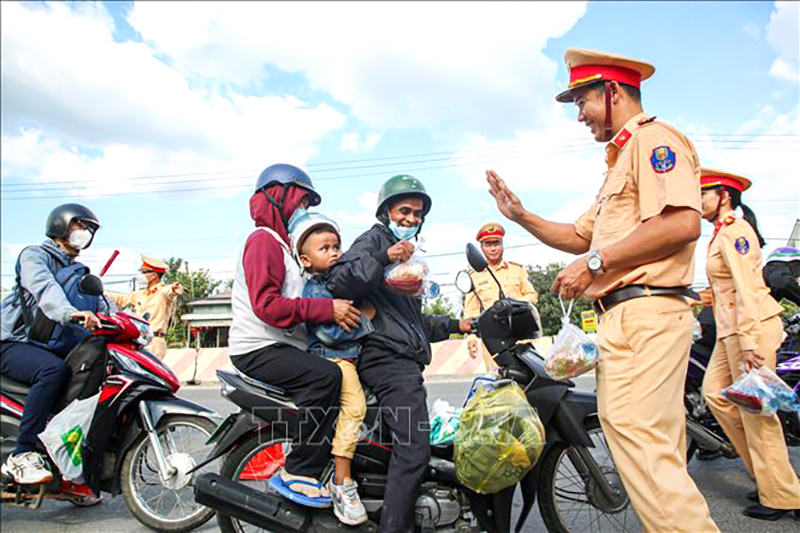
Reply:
x=156, y=298
x=513, y=278
x=749, y=332
x=640, y=235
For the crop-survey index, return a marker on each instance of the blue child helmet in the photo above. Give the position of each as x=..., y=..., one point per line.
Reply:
x=786, y=254
x=284, y=174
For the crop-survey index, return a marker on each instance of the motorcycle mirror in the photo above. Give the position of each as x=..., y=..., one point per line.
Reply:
x=475, y=258
x=464, y=282
x=91, y=285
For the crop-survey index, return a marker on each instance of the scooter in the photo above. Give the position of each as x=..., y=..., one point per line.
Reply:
x=575, y=479
x=144, y=441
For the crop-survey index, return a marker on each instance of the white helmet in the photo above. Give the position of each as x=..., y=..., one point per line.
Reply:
x=303, y=226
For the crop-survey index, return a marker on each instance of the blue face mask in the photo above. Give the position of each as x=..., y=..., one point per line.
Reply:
x=299, y=213
x=401, y=232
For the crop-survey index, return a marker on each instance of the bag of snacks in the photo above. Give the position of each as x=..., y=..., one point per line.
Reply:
x=499, y=440
x=761, y=392
x=572, y=353
x=410, y=278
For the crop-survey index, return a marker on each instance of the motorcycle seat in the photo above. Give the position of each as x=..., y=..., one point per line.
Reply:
x=9, y=386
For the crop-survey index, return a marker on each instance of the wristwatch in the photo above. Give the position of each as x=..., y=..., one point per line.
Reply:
x=595, y=262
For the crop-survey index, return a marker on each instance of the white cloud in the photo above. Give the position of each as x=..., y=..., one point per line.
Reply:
x=352, y=142
x=396, y=64
x=127, y=111
x=782, y=36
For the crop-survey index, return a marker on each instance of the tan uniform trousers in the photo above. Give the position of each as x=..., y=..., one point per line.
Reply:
x=758, y=439
x=352, y=410
x=158, y=347
x=644, y=354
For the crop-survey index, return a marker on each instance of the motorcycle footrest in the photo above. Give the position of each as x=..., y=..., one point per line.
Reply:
x=239, y=501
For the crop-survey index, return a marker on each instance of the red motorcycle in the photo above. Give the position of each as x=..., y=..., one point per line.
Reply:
x=143, y=442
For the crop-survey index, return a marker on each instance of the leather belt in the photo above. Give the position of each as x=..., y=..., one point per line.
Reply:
x=159, y=334
x=630, y=292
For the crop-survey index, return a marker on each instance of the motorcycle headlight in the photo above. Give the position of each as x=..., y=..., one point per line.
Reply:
x=145, y=332
x=132, y=366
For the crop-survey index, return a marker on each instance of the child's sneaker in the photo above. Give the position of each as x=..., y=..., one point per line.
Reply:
x=347, y=504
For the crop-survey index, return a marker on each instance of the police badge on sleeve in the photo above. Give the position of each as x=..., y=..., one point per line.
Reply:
x=742, y=246
x=662, y=159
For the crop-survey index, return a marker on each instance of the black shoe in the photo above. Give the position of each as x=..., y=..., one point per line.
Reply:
x=761, y=512
x=753, y=496
x=708, y=455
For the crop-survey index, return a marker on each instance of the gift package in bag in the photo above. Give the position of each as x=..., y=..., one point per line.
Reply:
x=761, y=392
x=65, y=434
x=499, y=439
x=573, y=353
x=410, y=278
x=445, y=420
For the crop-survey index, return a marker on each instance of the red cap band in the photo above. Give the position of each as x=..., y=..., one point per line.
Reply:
x=145, y=266
x=583, y=74
x=489, y=234
x=713, y=181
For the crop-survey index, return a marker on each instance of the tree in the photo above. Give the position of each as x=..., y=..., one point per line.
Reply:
x=197, y=284
x=438, y=306
x=549, y=308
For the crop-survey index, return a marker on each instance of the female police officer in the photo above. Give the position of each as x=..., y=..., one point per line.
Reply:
x=749, y=331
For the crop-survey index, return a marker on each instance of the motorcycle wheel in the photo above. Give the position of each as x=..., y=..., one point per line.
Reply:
x=253, y=462
x=163, y=507
x=567, y=503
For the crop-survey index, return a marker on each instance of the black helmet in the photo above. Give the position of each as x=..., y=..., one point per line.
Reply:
x=288, y=175
x=61, y=217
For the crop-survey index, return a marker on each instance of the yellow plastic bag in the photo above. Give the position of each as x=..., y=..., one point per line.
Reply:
x=499, y=440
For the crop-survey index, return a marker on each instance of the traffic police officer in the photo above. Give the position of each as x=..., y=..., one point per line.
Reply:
x=156, y=298
x=749, y=332
x=513, y=278
x=640, y=233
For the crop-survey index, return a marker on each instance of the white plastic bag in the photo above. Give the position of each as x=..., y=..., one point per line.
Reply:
x=410, y=278
x=761, y=392
x=65, y=434
x=572, y=353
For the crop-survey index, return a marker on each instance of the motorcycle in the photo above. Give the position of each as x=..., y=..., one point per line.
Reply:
x=708, y=440
x=144, y=441
x=575, y=479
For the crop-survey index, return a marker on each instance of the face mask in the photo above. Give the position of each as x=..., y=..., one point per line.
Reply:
x=80, y=238
x=299, y=213
x=141, y=281
x=401, y=232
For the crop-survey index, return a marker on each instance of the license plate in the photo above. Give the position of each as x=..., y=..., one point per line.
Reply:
x=220, y=429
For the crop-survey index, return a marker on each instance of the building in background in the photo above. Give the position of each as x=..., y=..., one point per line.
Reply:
x=209, y=321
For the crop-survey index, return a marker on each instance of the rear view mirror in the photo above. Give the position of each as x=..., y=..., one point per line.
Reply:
x=91, y=285
x=475, y=258
x=464, y=282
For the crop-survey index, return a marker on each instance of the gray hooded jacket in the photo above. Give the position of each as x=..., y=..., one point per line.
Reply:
x=37, y=268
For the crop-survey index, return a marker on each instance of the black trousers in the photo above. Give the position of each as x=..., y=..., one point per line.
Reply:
x=398, y=384
x=315, y=385
x=46, y=373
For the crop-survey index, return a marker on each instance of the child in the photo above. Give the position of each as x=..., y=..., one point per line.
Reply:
x=316, y=242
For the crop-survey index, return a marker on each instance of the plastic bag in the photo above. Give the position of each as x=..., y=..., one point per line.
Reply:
x=410, y=278
x=499, y=440
x=64, y=437
x=572, y=353
x=761, y=392
x=444, y=422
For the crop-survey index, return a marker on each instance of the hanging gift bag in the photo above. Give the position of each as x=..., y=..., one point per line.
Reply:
x=573, y=353
x=65, y=435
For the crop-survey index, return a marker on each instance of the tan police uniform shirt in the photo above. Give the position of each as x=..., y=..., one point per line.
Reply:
x=513, y=277
x=156, y=300
x=651, y=165
x=741, y=298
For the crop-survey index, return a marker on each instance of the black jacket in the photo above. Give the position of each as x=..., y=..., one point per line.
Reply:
x=400, y=326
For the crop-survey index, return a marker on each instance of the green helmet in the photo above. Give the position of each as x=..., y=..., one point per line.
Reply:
x=403, y=185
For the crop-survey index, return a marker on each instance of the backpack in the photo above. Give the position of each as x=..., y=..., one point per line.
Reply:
x=87, y=364
x=47, y=333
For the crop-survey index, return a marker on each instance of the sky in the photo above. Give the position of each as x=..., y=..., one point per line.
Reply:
x=160, y=116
